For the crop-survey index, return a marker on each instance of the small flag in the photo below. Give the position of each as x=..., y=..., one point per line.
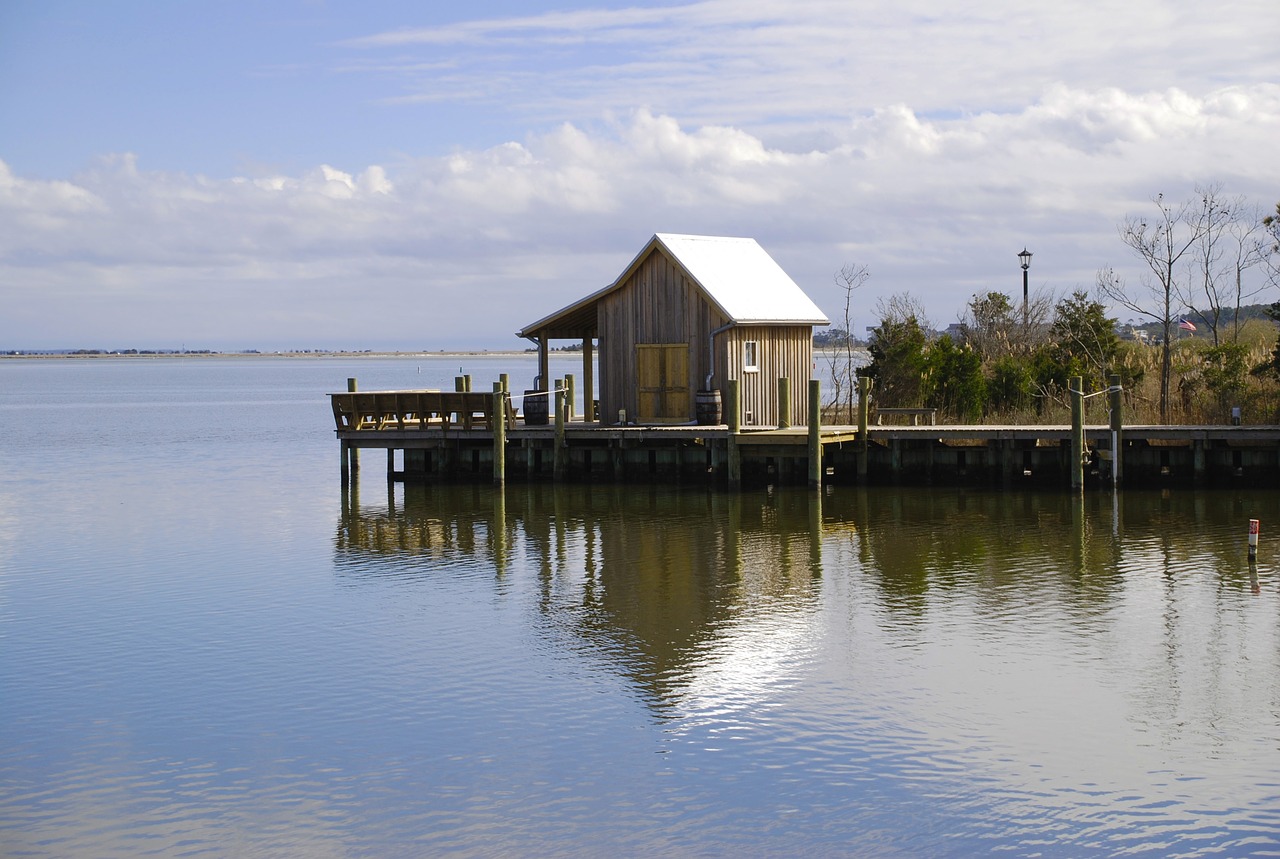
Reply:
x=1186, y=325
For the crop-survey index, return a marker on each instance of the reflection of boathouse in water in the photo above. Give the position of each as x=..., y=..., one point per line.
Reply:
x=654, y=607
x=705, y=352
x=735, y=578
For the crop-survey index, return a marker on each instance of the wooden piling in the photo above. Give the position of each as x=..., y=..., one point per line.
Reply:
x=1076, y=386
x=784, y=403
x=864, y=413
x=1116, y=403
x=733, y=416
x=560, y=454
x=570, y=396
x=353, y=459
x=815, y=434
x=499, y=434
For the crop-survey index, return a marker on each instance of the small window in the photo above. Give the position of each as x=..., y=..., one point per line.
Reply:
x=751, y=356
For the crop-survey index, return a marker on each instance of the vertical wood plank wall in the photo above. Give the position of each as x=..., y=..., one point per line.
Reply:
x=785, y=351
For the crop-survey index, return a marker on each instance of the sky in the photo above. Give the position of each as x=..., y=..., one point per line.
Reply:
x=436, y=176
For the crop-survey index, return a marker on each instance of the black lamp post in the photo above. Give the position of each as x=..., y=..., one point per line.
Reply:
x=1025, y=259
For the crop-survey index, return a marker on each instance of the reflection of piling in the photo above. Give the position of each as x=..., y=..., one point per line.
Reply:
x=815, y=434
x=1076, y=386
x=498, y=532
x=815, y=533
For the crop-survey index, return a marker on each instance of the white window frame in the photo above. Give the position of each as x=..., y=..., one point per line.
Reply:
x=751, y=356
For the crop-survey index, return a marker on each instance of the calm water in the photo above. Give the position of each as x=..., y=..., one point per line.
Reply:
x=207, y=649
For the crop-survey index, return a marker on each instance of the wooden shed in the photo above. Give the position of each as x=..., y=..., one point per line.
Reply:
x=688, y=313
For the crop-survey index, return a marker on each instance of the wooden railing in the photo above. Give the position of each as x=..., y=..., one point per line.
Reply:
x=929, y=415
x=404, y=410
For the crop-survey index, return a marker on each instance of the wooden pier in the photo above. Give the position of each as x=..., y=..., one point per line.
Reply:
x=473, y=436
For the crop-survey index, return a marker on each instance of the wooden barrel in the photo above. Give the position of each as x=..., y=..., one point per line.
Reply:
x=707, y=407
x=535, y=408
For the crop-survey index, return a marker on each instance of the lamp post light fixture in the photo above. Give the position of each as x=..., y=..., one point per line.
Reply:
x=1025, y=259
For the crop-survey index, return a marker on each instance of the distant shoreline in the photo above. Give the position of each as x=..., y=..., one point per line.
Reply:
x=473, y=353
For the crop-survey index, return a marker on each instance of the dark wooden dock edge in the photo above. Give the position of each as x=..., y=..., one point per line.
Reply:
x=1001, y=456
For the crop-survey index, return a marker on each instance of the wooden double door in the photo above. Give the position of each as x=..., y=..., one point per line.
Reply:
x=662, y=383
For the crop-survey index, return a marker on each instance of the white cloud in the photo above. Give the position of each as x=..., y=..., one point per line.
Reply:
x=405, y=253
x=771, y=68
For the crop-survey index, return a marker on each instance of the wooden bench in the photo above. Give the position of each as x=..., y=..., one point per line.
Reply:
x=402, y=410
x=915, y=414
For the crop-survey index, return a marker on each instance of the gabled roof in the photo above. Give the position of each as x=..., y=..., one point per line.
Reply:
x=735, y=274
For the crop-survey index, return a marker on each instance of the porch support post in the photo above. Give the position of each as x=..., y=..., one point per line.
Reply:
x=588, y=379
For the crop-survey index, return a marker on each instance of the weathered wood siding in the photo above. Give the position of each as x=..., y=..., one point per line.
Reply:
x=783, y=351
x=656, y=304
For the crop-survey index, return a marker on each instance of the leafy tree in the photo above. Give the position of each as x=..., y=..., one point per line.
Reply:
x=1010, y=385
x=955, y=383
x=1082, y=341
x=995, y=328
x=1225, y=367
x=988, y=323
x=898, y=352
x=1271, y=367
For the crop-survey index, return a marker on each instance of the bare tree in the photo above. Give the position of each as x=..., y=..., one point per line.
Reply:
x=1229, y=244
x=1271, y=245
x=1161, y=245
x=844, y=370
x=1249, y=249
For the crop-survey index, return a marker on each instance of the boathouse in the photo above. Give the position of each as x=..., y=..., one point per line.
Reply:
x=687, y=314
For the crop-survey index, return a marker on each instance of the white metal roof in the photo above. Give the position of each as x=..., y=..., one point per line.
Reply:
x=739, y=276
x=735, y=273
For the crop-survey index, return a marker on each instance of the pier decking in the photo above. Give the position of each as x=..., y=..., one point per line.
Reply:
x=456, y=436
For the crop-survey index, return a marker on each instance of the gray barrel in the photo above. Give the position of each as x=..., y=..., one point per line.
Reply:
x=708, y=408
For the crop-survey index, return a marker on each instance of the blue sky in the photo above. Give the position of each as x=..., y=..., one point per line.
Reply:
x=436, y=175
